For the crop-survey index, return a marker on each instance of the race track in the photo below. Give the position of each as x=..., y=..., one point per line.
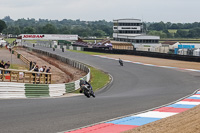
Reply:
x=135, y=88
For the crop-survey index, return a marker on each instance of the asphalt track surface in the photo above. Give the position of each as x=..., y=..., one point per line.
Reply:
x=135, y=88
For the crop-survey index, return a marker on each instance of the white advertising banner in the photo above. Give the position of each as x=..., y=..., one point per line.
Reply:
x=48, y=37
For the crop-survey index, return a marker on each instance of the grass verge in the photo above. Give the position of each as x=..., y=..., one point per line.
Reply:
x=18, y=67
x=98, y=79
x=10, y=40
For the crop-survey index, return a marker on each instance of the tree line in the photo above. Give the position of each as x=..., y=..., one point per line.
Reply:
x=178, y=30
x=99, y=28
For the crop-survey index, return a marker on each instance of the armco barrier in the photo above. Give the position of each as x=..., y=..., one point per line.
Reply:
x=146, y=53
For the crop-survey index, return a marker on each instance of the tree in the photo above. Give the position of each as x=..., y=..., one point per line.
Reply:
x=158, y=33
x=157, y=26
x=2, y=26
x=169, y=35
x=49, y=29
x=17, y=30
x=99, y=33
x=194, y=33
x=182, y=33
x=174, y=26
x=28, y=30
x=7, y=19
x=168, y=25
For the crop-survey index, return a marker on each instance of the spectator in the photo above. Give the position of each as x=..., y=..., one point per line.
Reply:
x=34, y=74
x=2, y=64
x=36, y=69
x=48, y=71
x=44, y=68
x=41, y=69
x=30, y=65
x=7, y=65
x=33, y=66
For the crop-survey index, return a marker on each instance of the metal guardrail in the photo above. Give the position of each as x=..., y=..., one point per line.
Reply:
x=147, y=53
x=23, y=76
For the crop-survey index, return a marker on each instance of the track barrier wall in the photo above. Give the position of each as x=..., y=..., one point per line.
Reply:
x=140, y=53
x=25, y=90
x=147, y=53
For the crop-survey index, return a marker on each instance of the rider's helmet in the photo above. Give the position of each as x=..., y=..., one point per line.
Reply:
x=82, y=81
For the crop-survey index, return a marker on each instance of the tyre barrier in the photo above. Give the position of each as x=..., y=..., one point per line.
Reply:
x=23, y=90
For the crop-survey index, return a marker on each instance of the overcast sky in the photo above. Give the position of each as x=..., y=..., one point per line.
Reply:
x=182, y=11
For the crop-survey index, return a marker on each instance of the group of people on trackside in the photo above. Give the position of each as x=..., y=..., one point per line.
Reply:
x=34, y=67
x=5, y=66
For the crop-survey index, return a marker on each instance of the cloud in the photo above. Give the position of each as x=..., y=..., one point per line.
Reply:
x=149, y=10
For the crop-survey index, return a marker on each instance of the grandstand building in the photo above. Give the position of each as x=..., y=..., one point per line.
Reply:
x=131, y=30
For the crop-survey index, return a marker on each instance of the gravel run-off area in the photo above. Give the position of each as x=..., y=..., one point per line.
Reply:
x=61, y=72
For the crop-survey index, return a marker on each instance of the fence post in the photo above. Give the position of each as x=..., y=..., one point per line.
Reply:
x=10, y=75
x=40, y=78
x=30, y=78
x=18, y=77
x=35, y=78
x=50, y=79
x=24, y=75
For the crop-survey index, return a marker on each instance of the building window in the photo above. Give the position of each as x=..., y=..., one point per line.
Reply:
x=115, y=24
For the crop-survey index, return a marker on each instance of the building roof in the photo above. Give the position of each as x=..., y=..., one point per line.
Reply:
x=127, y=20
x=138, y=36
x=121, y=43
x=169, y=42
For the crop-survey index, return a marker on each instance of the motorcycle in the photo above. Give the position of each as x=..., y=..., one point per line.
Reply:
x=121, y=62
x=87, y=91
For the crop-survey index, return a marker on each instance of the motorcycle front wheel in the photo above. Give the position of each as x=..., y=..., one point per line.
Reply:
x=87, y=94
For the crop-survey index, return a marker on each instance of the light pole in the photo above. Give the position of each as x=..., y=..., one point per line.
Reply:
x=11, y=55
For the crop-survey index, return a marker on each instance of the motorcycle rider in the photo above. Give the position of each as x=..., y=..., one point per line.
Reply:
x=120, y=62
x=84, y=82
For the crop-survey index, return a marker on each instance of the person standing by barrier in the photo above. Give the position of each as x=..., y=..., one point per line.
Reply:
x=33, y=66
x=34, y=74
x=30, y=65
x=44, y=68
x=47, y=71
x=6, y=66
x=1, y=65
